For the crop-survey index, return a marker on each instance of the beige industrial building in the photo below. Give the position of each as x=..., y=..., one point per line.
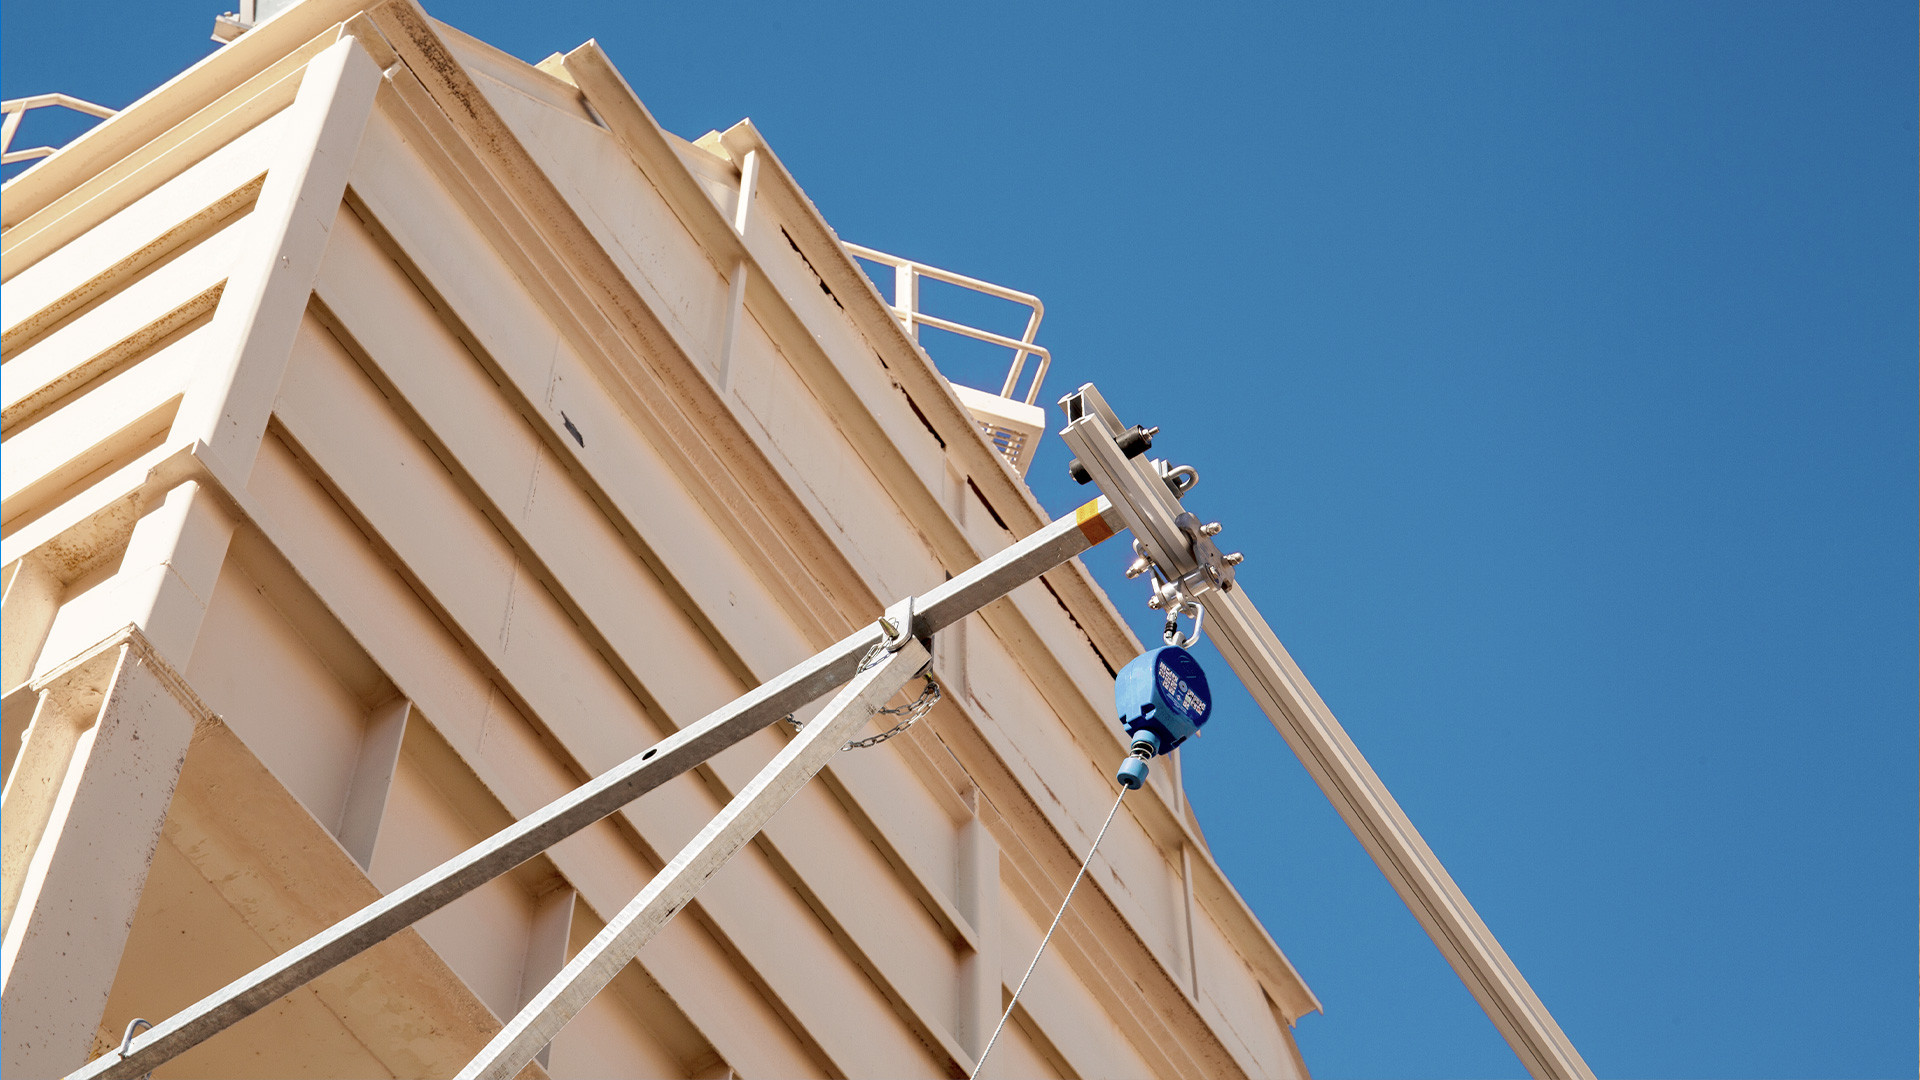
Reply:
x=397, y=435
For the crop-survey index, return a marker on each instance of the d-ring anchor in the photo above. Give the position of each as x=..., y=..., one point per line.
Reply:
x=126, y=1041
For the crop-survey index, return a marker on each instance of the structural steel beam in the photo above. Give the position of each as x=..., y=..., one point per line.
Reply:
x=1150, y=510
x=742, y=819
x=799, y=686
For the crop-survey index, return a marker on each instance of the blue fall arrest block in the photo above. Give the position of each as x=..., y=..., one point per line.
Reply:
x=1161, y=698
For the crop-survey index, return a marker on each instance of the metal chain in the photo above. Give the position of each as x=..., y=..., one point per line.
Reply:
x=920, y=706
x=929, y=695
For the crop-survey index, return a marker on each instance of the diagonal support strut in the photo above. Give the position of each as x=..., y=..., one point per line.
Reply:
x=670, y=890
x=797, y=687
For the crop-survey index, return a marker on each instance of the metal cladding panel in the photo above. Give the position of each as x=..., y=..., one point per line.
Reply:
x=495, y=424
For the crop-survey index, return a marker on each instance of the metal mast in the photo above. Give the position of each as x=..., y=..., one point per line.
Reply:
x=1181, y=548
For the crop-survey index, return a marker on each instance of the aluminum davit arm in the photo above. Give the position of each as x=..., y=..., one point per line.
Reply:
x=1183, y=552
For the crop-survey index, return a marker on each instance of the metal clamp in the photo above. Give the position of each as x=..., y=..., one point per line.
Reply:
x=896, y=629
x=897, y=625
x=1212, y=569
x=1179, y=596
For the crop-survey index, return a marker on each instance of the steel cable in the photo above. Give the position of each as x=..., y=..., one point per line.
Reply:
x=1088, y=861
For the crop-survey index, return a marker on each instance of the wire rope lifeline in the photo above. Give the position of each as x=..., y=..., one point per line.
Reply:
x=1015, y=999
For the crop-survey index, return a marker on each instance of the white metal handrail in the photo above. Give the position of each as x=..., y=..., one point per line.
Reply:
x=906, y=304
x=17, y=108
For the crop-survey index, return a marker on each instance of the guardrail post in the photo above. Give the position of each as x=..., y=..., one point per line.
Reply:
x=906, y=297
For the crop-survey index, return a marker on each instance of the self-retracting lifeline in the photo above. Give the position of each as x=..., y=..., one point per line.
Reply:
x=1160, y=698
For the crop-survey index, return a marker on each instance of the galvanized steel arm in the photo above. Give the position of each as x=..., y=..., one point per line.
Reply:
x=680, y=752
x=676, y=884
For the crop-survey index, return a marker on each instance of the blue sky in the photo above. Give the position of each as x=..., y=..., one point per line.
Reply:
x=1553, y=365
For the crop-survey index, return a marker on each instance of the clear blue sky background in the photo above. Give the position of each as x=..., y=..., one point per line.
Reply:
x=1554, y=366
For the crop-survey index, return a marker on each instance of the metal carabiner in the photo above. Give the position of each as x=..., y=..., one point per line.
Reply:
x=1172, y=635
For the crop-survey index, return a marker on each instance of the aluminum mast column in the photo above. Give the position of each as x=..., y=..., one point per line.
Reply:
x=1184, y=553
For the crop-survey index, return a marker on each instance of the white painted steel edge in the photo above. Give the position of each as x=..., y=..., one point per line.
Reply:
x=267, y=290
x=146, y=231
x=1284, y=981
x=800, y=685
x=173, y=102
x=1336, y=764
x=677, y=883
x=124, y=326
